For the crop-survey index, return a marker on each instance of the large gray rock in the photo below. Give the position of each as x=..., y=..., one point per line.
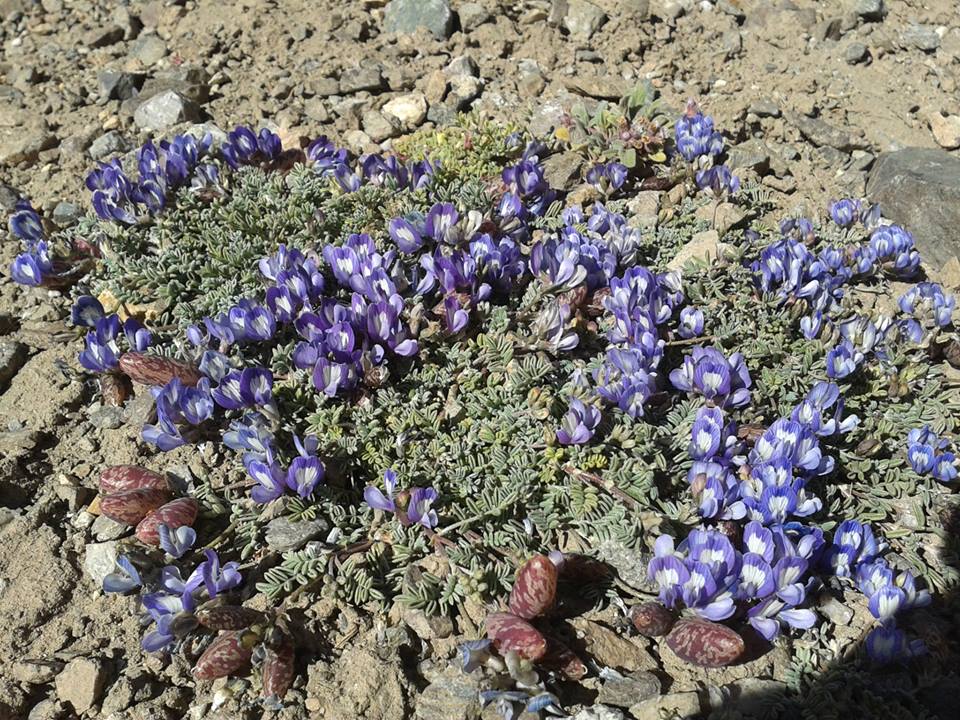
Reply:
x=405, y=16
x=451, y=696
x=284, y=536
x=165, y=110
x=111, y=143
x=81, y=683
x=823, y=134
x=26, y=142
x=583, y=18
x=919, y=188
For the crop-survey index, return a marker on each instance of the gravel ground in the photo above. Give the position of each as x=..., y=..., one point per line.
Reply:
x=808, y=93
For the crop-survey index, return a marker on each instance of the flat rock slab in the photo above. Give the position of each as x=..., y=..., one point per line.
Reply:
x=919, y=188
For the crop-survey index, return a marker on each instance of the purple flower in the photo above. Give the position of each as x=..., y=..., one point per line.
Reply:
x=944, y=468
x=419, y=510
x=845, y=212
x=474, y=654
x=405, y=235
x=124, y=579
x=270, y=477
x=216, y=578
x=853, y=543
x=376, y=499
x=304, y=475
x=196, y=403
x=888, y=644
x=456, y=317
x=707, y=371
x=578, y=424
x=229, y=394
x=843, y=360
x=86, y=311
x=695, y=136
x=440, y=222
x=256, y=386
x=30, y=268
x=101, y=353
x=921, y=458
x=164, y=434
x=719, y=180
x=691, y=323
x=176, y=542
x=25, y=224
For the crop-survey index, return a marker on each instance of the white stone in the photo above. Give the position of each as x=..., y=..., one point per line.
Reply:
x=409, y=110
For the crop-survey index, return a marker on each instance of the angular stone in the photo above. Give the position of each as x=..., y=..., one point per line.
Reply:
x=99, y=560
x=12, y=357
x=611, y=649
x=105, y=529
x=165, y=110
x=628, y=691
x=855, y=53
x=118, y=85
x=149, y=49
x=681, y=704
x=752, y=154
x=191, y=81
x=103, y=36
x=378, y=126
x=823, y=134
x=919, y=188
x=361, y=77
x=25, y=143
x=405, y=16
x=111, y=143
x=463, y=90
x=284, y=536
x=472, y=15
x=583, y=18
x=451, y=696
x=702, y=246
x=922, y=37
x=81, y=683
x=563, y=170
x=602, y=87
x=409, y=110
x=599, y=712
x=644, y=209
x=66, y=213
x=946, y=130
x=869, y=10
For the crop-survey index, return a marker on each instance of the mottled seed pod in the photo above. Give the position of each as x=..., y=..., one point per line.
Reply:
x=705, y=643
x=176, y=513
x=155, y=370
x=278, y=668
x=229, y=652
x=131, y=506
x=228, y=617
x=563, y=660
x=115, y=389
x=651, y=619
x=129, y=477
x=508, y=632
x=535, y=588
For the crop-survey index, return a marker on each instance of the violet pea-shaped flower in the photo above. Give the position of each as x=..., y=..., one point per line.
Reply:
x=304, y=474
x=420, y=508
x=578, y=424
x=378, y=500
x=270, y=478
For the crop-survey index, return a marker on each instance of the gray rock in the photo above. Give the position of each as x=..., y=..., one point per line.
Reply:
x=323, y=87
x=165, y=110
x=107, y=417
x=754, y=696
x=361, y=77
x=823, y=134
x=14, y=443
x=103, y=36
x=46, y=710
x=919, y=188
x=110, y=143
x=12, y=357
x=8, y=197
x=451, y=696
x=25, y=143
x=405, y=16
x=628, y=691
x=563, y=170
x=583, y=18
x=828, y=29
x=149, y=49
x=753, y=154
x=191, y=81
x=81, y=683
x=644, y=209
x=599, y=712
x=946, y=130
x=922, y=37
x=463, y=91
x=462, y=65
x=66, y=214
x=36, y=672
x=855, y=53
x=835, y=611
x=104, y=529
x=428, y=627
x=680, y=704
x=472, y=15
x=764, y=108
x=283, y=535
x=379, y=126
x=409, y=110
x=869, y=10
x=100, y=559
x=118, y=85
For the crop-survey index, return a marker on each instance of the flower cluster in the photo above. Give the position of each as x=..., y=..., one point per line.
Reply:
x=411, y=506
x=302, y=476
x=101, y=353
x=927, y=454
x=163, y=168
x=33, y=266
x=243, y=147
x=928, y=305
x=171, y=605
x=578, y=423
x=695, y=136
x=723, y=381
x=607, y=177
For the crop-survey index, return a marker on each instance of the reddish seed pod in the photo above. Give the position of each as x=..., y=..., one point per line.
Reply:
x=228, y=617
x=131, y=506
x=563, y=660
x=129, y=477
x=278, y=668
x=176, y=513
x=535, y=588
x=705, y=643
x=229, y=652
x=155, y=370
x=651, y=619
x=508, y=632
x=115, y=389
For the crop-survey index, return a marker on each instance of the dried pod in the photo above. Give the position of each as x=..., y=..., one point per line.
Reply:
x=228, y=617
x=155, y=370
x=176, y=513
x=651, y=619
x=229, y=652
x=563, y=660
x=115, y=389
x=131, y=506
x=535, y=588
x=705, y=643
x=508, y=632
x=129, y=477
x=751, y=432
x=278, y=668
